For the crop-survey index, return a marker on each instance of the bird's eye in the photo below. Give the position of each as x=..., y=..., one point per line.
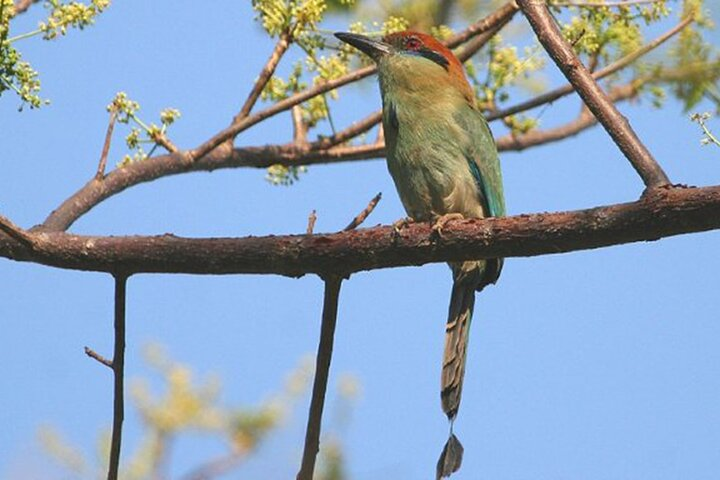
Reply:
x=413, y=43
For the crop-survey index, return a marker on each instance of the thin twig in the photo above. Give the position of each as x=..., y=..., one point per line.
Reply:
x=312, y=218
x=96, y=356
x=106, y=146
x=322, y=369
x=595, y=98
x=551, y=96
x=357, y=128
x=162, y=140
x=15, y=232
x=360, y=218
x=280, y=48
x=118, y=364
x=499, y=16
x=475, y=44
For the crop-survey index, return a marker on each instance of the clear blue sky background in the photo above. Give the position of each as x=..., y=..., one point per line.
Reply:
x=596, y=365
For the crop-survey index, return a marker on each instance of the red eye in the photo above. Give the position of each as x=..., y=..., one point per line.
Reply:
x=413, y=43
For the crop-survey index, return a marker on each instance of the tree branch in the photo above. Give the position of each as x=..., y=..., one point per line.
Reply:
x=106, y=146
x=662, y=213
x=15, y=232
x=118, y=366
x=280, y=48
x=322, y=370
x=96, y=356
x=360, y=217
x=597, y=101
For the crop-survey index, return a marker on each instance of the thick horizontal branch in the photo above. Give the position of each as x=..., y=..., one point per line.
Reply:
x=660, y=213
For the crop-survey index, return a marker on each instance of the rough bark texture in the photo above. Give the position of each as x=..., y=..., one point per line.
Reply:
x=660, y=213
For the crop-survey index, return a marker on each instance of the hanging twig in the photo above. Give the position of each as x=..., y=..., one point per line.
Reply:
x=360, y=218
x=595, y=98
x=118, y=366
x=322, y=368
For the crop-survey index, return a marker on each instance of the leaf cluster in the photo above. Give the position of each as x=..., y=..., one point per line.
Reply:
x=18, y=75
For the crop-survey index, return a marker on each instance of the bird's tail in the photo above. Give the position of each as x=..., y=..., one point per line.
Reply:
x=457, y=329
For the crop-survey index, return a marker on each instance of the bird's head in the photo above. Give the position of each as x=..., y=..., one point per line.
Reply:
x=412, y=57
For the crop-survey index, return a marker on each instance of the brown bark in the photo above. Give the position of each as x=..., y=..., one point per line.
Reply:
x=664, y=212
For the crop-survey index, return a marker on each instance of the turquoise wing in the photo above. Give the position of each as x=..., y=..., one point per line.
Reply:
x=483, y=161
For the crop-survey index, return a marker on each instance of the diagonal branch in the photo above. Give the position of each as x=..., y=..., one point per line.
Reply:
x=597, y=101
x=322, y=371
x=360, y=217
x=280, y=48
x=660, y=213
x=106, y=146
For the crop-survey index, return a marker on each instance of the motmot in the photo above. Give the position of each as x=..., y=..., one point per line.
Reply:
x=443, y=159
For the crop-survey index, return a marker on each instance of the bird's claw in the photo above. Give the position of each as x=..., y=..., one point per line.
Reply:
x=443, y=220
x=400, y=224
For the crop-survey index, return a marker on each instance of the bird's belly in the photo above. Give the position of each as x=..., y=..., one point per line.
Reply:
x=433, y=180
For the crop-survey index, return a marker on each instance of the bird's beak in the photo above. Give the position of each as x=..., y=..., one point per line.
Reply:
x=374, y=49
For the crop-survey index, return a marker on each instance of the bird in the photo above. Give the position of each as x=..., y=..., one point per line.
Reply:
x=443, y=160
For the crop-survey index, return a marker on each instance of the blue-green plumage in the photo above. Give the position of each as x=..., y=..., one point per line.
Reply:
x=443, y=160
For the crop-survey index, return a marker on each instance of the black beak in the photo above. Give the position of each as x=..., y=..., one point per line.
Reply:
x=374, y=49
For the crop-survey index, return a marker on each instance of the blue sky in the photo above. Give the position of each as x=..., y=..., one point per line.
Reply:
x=597, y=365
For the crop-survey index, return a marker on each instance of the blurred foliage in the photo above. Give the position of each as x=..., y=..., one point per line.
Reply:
x=185, y=406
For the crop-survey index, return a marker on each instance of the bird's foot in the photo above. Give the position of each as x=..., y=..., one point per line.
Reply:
x=400, y=224
x=443, y=220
